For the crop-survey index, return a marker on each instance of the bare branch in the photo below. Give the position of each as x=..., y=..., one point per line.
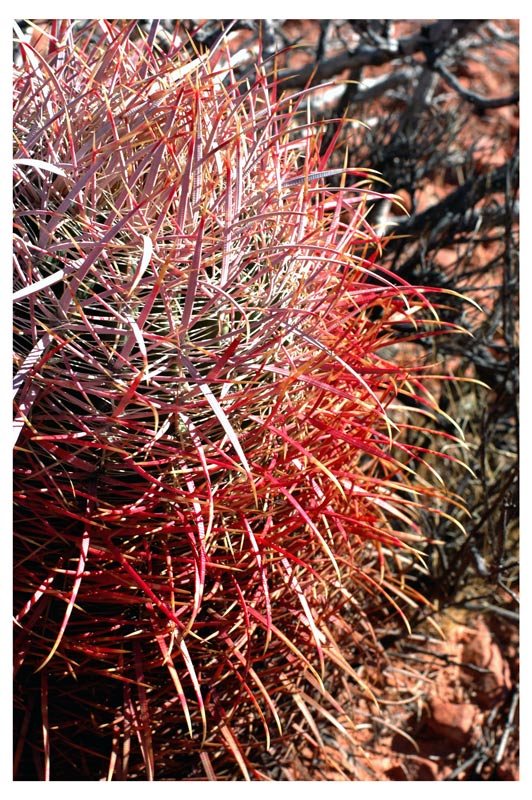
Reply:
x=442, y=215
x=447, y=31
x=472, y=97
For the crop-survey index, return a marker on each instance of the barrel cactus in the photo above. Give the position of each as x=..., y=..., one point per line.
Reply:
x=214, y=468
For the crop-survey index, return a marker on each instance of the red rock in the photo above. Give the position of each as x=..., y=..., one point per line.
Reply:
x=481, y=651
x=454, y=721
